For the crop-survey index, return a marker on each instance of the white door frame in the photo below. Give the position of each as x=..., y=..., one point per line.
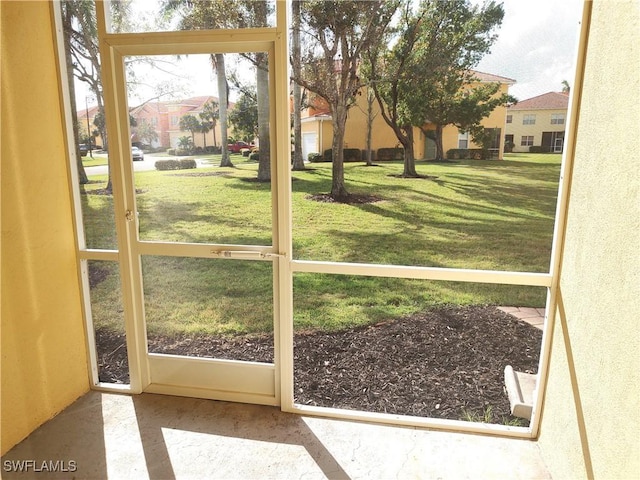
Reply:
x=221, y=379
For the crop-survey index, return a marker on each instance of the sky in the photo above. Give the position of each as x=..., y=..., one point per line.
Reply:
x=536, y=47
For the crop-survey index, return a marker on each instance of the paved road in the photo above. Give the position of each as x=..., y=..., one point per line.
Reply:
x=139, y=166
x=147, y=164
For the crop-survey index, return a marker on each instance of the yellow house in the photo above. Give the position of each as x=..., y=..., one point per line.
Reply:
x=317, y=129
x=86, y=117
x=590, y=414
x=538, y=123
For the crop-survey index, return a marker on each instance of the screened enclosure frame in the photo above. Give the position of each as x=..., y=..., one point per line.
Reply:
x=275, y=40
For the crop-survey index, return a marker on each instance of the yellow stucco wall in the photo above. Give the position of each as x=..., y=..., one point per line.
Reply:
x=44, y=366
x=383, y=136
x=591, y=417
x=543, y=124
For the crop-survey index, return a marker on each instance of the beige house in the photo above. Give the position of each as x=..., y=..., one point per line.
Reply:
x=538, y=122
x=590, y=413
x=317, y=129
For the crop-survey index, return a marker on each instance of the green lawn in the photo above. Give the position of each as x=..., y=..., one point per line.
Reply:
x=475, y=214
x=97, y=160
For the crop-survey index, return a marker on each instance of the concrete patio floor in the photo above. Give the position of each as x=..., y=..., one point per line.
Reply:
x=162, y=437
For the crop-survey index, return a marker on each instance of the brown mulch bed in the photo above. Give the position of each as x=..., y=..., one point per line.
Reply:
x=351, y=199
x=441, y=363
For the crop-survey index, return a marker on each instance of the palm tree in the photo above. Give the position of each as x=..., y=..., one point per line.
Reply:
x=217, y=62
x=298, y=161
x=209, y=118
x=566, y=88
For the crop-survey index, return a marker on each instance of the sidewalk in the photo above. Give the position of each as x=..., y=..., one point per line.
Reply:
x=533, y=316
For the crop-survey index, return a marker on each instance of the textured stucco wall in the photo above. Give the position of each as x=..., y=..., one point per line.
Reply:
x=543, y=124
x=44, y=366
x=590, y=421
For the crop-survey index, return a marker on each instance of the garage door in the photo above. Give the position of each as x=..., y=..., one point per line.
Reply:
x=309, y=144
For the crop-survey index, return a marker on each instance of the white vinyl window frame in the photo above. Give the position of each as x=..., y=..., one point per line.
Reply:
x=287, y=266
x=526, y=141
x=529, y=119
x=463, y=140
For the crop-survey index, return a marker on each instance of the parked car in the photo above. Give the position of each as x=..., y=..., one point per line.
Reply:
x=237, y=146
x=84, y=149
x=137, y=154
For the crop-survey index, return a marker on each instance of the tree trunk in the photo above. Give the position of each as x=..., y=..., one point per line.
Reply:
x=221, y=75
x=82, y=175
x=338, y=189
x=298, y=160
x=409, y=169
x=370, y=118
x=262, y=92
x=439, y=146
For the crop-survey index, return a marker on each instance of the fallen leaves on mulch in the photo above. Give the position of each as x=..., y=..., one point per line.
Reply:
x=443, y=363
x=351, y=199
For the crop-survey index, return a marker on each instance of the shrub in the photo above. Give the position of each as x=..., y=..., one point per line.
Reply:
x=182, y=152
x=167, y=165
x=254, y=156
x=536, y=149
x=472, y=153
x=182, y=164
x=213, y=149
x=199, y=150
x=171, y=151
x=245, y=152
x=314, y=157
x=364, y=155
x=390, y=154
x=349, y=155
x=187, y=163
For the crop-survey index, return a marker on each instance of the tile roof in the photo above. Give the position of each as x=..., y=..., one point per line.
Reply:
x=489, y=77
x=546, y=101
x=92, y=111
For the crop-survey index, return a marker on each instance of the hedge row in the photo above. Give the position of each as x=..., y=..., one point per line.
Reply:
x=472, y=153
x=357, y=155
x=182, y=164
x=193, y=151
x=390, y=154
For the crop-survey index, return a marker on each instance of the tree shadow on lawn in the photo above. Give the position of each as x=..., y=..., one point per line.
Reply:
x=504, y=196
x=443, y=246
x=157, y=217
x=526, y=169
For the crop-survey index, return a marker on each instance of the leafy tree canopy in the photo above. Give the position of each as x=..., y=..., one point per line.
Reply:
x=244, y=116
x=427, y=76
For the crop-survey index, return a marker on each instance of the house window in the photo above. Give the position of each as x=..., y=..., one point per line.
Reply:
x=463, y=140
x=509, y=118
x=526, y=141
x=557, y=119
x=529, y=119
x=174, y=120
x=154, y=121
